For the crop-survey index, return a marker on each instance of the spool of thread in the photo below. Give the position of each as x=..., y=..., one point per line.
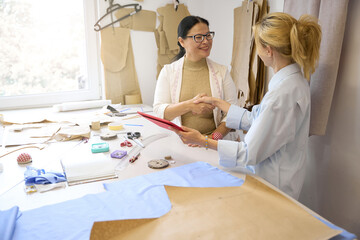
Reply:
x=115, y=126
x=133, y=99
x=95, y=125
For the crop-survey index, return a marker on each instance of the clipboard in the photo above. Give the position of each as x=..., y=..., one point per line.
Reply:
x=161, y=122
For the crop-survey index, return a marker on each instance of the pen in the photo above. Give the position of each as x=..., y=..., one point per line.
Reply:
x=123, y=110
x=134, y=158
x=128, y=124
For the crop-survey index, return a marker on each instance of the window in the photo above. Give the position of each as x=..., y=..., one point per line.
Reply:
x=49, y=52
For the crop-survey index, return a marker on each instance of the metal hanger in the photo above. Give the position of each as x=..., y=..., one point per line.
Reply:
x=112, y=8
x=176, y=4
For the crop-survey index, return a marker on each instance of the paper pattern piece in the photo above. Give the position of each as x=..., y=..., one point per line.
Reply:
x=117, y=54
x=144, y=20
x=252, y=211
x=247, y=70
x=119, y=68
x=166, y=33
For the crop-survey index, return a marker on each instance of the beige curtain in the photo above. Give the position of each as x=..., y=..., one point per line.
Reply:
x=332, y=18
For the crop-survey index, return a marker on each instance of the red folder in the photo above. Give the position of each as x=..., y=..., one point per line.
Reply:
x=161, y=122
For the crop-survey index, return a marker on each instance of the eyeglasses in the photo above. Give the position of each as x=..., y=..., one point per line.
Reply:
x=199, y=38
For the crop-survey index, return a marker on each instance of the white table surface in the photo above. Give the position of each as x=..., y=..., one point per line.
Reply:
x=11, y=179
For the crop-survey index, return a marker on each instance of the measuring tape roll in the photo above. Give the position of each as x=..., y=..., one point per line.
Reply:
x=115, y=126
x=108, y=136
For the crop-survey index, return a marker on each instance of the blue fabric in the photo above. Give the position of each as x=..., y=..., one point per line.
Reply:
x=344, y=235
x=39, y=176
x=139, y=197
x=7, y=222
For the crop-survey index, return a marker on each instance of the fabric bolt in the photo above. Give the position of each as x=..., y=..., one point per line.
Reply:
x=332, y=18
x=277, y=140
x=169, y=83
x=8, y=220
x=139, y=197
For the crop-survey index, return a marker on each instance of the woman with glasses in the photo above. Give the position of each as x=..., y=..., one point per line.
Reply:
x=277, y=128
x=191, y=76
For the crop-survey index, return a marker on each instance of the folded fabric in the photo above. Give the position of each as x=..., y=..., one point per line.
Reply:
x=39, y=176
x=8, y=221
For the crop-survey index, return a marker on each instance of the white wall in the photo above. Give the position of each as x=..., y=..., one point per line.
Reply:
x=220, y=15
x=332, y=185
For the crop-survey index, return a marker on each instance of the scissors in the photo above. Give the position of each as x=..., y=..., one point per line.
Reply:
x=126, y=143
x=133, y=135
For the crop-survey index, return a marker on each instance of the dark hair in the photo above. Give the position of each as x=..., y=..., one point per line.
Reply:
x=184, y=26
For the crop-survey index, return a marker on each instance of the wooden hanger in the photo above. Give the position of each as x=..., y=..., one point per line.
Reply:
x=112, y=8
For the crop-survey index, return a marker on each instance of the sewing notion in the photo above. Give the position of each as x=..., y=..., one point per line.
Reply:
x=158, y=163
x=118, y=154
x=126, y=143
x=108, y=136
x=134, y=158
x=24, y=158
x=134, y=136
x=99, y=147
x=115, y=126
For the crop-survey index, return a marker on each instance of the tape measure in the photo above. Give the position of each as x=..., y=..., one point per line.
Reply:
x=115, y=126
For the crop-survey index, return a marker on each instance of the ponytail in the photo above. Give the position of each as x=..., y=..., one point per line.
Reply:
x=298, y=40
x=305, y=38
x=180, y=54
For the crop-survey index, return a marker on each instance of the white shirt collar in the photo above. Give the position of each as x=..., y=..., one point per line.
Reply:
x=283, y=73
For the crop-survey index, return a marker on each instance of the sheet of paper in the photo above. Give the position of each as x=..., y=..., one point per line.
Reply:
x=251, y=211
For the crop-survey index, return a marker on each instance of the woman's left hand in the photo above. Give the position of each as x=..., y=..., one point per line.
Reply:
x=190, y=136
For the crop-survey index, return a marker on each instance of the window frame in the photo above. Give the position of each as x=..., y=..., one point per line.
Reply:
x=94, y=91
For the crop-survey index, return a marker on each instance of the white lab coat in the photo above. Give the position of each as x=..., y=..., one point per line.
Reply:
x=278, y=133
x=168, y=88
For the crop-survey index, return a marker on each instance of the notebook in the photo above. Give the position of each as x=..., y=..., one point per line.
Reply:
x=83, y=166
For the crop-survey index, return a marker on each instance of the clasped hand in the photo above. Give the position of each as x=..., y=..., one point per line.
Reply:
x=200, y=107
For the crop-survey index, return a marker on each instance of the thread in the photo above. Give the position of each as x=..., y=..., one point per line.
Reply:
x=95, y=125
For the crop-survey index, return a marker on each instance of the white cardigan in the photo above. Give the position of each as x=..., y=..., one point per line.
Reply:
x=168, y=87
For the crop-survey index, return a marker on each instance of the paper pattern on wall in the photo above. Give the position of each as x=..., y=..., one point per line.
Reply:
x=166, y=33
x=247, y=70
x=119, y=68
x=144, y=20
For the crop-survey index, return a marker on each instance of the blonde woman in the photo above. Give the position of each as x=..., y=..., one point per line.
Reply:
x=278, y=128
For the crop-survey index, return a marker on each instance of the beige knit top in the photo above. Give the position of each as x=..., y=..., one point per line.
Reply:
x=195, y=80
